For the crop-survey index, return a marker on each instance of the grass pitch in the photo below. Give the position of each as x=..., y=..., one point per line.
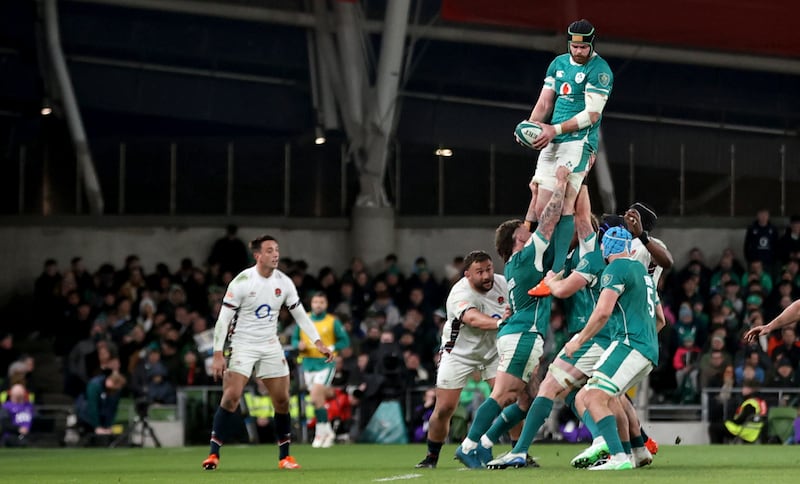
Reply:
x=385, y=463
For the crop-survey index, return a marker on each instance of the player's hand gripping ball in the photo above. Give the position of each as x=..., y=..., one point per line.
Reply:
x=526, y=132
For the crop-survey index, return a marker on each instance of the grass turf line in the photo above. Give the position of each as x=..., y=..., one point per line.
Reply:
x=379, y=463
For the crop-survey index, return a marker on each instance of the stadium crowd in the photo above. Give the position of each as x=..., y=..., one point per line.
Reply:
x=156, y=328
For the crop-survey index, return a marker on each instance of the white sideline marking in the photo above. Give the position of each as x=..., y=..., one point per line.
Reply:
x=398, y=478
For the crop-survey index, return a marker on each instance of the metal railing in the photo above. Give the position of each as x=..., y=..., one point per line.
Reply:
x=691, y=176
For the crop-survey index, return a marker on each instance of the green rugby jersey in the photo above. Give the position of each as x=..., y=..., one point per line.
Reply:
x=582, y=303
x=528, y=313
x=635, y=311
x=571, y=81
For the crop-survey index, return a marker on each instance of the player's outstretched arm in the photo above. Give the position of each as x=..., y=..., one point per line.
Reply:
x=476, y=319
x=787, y=317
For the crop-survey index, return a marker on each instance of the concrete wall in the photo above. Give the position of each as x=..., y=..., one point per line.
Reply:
x=674, y=433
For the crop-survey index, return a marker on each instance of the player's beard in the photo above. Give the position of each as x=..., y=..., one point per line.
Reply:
x=487, y=285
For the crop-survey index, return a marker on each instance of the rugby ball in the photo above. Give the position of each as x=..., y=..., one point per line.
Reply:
x=526, y=132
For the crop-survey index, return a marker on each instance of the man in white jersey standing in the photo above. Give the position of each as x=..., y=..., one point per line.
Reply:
x=576, y=87
x=475, y=305
x=246, y=339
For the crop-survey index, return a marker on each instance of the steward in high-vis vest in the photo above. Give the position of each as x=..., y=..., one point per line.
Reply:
x=317, y=372
x=748, y=422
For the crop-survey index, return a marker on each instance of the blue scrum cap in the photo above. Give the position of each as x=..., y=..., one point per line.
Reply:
x=616, y=240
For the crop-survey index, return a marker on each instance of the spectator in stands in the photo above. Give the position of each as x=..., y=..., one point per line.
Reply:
x=229, y=252
x=783, y=375
x=384, y=376
x=329, y=285
x=422, y=416
x=688, y=290
x=791, y=272
x=123, y=321
x=390, y=266
x=103, y=282
x=45, y=297
x=725, y=272
x=772, y=305
x=130, y=347
x=151, y=380
x=132, y=264
x=20, y=372
x=416, y=374
x=147, y=311
x=384, y=303
x=356, y=267
x=686, y=365
x=789, y=243
x=760, y=241
x=97, y=407
x=16, y=417
x=133, y=287
x=305, y=282
x=697, y=266
x=424, y=278
x=416, y=300
x=104, y=359
x=77, y=365
x=197, y=296
x=750, y=369
x=83, y=278
x=713, y=362
x=683, y=326
x=789, y=348
x=757, y=273
x=8, y=353
x=732, y=296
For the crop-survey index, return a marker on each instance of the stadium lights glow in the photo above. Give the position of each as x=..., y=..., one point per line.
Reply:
x=46, y=111
x=446, y=152
x=320, y=136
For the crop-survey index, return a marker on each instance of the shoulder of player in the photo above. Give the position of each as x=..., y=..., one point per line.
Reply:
x=559, y=60
x=658, y=241
x=242, y=280
x=597, y=62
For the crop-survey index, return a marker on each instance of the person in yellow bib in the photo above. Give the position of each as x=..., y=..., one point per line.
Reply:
x=317, y=371
x=748, y=421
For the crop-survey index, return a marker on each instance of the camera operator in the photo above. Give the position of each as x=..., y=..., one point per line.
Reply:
x=97, y=407
x=150, y=379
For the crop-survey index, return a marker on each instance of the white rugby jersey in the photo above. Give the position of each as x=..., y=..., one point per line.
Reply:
x=257, y=300
x=463, y=340
x=640, y=253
